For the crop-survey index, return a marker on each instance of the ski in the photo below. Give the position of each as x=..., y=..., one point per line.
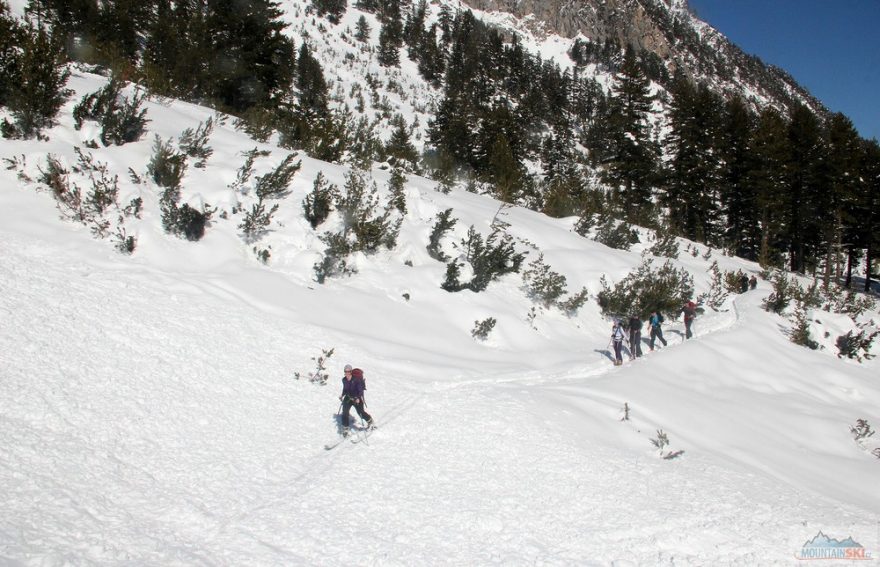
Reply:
x=330, y=446
x=354, y=437
x=363, y=435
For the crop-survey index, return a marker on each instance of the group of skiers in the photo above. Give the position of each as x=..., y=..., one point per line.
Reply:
x=354, y=385
x=634, y=338
x=634, y=326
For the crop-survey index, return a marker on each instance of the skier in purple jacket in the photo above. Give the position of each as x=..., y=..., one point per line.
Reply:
x=353, y=387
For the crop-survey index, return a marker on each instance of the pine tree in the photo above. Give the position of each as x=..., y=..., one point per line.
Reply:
x=633, y=163
x=868, y=207
x=72, y=21
x=391, y=35
x=251, y=59
x=399, y=149
x=840, y=202
x=362, y=30
x=165, y=47
x=119, y=29
x=738, y=195
x=806, y=182
x=768, y=178
x=38, y=90
x=11, y=37
x=333, y=9
x=693, y=186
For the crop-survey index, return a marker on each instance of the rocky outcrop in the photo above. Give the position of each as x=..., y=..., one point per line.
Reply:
x=626, y=20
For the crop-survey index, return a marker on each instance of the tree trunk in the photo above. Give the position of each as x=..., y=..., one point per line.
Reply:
x=849, y=267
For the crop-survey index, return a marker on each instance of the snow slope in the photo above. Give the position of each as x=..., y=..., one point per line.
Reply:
x=150, y=414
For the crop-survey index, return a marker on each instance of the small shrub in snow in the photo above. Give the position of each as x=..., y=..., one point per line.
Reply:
x=547, y=287
x=489, y=259
x=363, y=229
x=543, y=284
x=646, y=289
x=482, y=328
x=800, y=334
x=56, y=177
x=616, y=234
x=184, y=221
x=276, y=183
x=733, y=281
x=318, y=204
x=334, y=262
x=847, y=301
x=167, y=166
x=531, y=316
x=19, y=165
x=270, y=186
x=122, y=119
x=452, y=281
x=262, y=254
x=256, y=221
x=810, y=297
x=134, y=208
x=665, y=244
x=443, y=225
x=861, y=431
x=856, y=347
x=125, y=244
x=247, y=169
x=358, y=206
x=194, y=143
x=320, y=375
x=397, y=185
x=783, y=290
x=718, y=292
x=661, y=442
x=574, y=302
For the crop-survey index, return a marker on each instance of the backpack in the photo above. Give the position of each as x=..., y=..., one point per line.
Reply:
x=358, y=374
x=617, y=334
x=660, y=318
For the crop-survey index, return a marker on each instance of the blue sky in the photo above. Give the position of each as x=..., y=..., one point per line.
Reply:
x=831, y=47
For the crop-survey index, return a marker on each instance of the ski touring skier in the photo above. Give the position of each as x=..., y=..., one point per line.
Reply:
x=617, y=338
x=690, y=313
x=635, y=336
x=656, y=332
x=353, y=386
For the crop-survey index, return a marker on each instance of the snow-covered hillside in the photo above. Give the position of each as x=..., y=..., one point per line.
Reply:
x=150, y=413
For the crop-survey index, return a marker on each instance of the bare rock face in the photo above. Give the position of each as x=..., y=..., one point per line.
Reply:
x=626, y=20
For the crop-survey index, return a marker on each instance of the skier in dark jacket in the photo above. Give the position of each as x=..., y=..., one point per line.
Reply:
x=753, y=282
x=353, y=387
x=690, y=313
x=656, y=332
x=635, y=336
